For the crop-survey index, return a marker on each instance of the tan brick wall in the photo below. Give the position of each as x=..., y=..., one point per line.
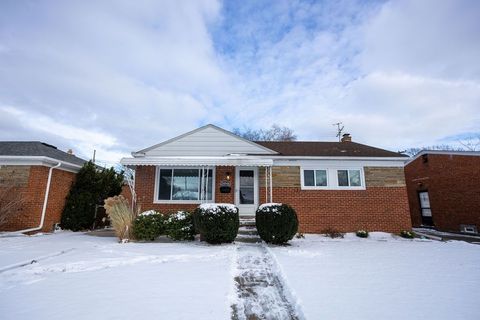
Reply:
x=33, y=195
x=282, y=177
x=384, y=176
x=16, y=176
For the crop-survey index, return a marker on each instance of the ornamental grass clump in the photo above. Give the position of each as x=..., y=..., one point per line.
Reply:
x=217, y=222
x=276, y=223
x=121, y=217
x=179, y=226
x=149, y=225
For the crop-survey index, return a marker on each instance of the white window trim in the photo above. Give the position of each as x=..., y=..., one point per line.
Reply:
x=157, y=176
x=332, y=178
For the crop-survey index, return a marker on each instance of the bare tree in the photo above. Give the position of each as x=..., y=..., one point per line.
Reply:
x=275, y=133
x=471, y=143
x=442, y=147
x=10, y=203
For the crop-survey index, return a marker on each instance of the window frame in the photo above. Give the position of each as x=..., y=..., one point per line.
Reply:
x=348, y=178
x=332, y=178
x=314, y=187
x=157, y=185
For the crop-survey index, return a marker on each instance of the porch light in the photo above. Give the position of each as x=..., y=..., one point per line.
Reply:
x=227, y=176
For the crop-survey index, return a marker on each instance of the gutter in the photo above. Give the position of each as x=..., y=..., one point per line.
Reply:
x=45, y=201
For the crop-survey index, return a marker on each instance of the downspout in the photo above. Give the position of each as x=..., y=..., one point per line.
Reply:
x=271, y=185
x=45, y=201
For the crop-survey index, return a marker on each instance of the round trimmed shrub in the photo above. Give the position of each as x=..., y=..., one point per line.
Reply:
x=217, y=222
x=148, y=226
x=179, y=226
x=276, y=223
x=362, y=233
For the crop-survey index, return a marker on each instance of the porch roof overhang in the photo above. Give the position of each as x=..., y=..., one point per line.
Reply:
x=237, y=161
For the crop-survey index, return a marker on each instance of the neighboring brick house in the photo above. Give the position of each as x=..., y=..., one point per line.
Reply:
x=342, y=185
x=39, y=176
x=444, y=190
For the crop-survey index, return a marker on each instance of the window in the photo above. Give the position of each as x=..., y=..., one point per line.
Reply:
x=349, y=178
x=315, y=178
x=185, y=184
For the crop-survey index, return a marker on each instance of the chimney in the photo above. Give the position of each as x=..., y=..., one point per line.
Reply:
x=346, y=137
x=70, y=151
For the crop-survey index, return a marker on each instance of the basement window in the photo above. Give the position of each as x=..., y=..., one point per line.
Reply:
x=467, y=228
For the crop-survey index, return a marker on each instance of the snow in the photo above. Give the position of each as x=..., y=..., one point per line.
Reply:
x=382, y=277
x=76, y=276
x=179, y=215
x=214, y=207
x=102, y=279
x=149, y=213
x=270, y=204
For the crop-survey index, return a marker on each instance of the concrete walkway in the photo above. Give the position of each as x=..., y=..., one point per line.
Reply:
x=259, y=286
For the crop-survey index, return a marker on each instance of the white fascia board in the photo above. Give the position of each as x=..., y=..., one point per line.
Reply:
x=38, y=161
x=197, y=161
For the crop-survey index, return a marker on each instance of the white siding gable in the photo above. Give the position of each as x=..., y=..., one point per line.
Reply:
x=205, y=141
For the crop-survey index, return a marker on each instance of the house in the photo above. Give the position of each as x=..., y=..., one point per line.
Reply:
x=342, y=185
x=37, y=177
x=444, y=190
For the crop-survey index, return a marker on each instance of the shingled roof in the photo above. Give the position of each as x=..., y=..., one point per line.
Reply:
x=37, y=148
x=326, y=149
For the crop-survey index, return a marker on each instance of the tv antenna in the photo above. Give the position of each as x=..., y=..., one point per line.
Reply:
x=339, y=130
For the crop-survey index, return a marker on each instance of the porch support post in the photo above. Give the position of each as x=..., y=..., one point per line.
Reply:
x=202, y=182
x=271, y=185
x=266, y=184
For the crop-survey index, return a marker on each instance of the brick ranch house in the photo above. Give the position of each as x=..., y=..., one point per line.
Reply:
x=41, y=176
x=342, y=185
x=444, y=190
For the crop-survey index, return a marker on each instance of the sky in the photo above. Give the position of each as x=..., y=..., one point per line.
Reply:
x=119, y=76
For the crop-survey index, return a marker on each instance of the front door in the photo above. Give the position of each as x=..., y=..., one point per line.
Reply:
x=246, y=190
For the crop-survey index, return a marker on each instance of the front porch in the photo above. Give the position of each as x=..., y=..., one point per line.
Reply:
x=171, y=183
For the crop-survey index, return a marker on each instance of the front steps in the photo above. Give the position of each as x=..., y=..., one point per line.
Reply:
x=247, y=233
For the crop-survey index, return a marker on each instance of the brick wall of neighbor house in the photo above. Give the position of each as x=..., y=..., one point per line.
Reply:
x=30, y=182
x=383, y=206
x=453, y=185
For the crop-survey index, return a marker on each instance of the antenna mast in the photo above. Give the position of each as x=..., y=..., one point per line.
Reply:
x=339, y=130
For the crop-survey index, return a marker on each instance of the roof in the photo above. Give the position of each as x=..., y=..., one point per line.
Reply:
x=444, y=152
x=37, y=149
x=326, y=149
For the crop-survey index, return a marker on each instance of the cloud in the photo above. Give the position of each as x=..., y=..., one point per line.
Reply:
x=123, y=76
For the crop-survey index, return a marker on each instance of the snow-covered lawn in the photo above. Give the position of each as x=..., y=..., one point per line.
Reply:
x=85, y=277
x=382, y=277
x=101, y=279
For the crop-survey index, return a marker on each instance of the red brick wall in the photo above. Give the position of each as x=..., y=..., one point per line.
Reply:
x=379, y=208
x=33, y=195
x=373, y=209
x=453, y=185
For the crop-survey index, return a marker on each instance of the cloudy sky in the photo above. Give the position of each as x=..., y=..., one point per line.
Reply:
x=118, y=76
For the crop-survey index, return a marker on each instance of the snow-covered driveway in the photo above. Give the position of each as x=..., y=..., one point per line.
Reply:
x=84, y=277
